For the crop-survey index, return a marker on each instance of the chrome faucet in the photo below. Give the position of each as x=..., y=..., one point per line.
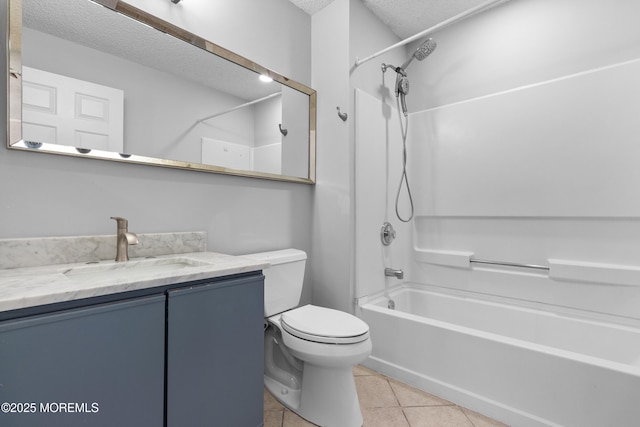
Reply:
x=123, y=239
x=399, y=274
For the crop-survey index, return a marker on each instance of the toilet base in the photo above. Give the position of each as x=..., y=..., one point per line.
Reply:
x=288, y=396
x=327, y=398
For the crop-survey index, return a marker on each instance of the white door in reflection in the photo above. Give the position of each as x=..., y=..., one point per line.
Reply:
x=61, y=110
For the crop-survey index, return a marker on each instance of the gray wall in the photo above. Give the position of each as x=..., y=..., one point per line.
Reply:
x=342, y=31
x=48, y=195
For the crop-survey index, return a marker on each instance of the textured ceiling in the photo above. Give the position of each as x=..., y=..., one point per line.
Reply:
x=311, y=6
x=404, y=17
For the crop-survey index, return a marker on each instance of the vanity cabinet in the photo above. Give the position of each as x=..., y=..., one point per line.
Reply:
x=101, y=365
x=215, y=354
x=182, y=355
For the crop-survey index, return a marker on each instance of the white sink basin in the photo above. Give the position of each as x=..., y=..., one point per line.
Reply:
x=132, y=269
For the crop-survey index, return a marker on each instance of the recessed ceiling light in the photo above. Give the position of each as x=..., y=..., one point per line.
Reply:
x=265, y=79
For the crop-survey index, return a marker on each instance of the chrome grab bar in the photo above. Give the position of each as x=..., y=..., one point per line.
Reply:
x=509, y=264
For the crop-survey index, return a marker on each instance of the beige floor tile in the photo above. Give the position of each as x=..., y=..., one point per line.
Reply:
x=273, y=418
x=410, y=396
x=437, y=416
x=375, y=392
x=384, y=417
x=362, y=370
x=294, y=420
x=386, y=402
x=480, y=420
x=270, y=402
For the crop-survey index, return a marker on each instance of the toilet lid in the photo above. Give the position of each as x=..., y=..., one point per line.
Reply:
x=324, y=325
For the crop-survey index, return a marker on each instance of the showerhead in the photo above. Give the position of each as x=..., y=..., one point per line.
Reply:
x=425, y=49
x=402, y=81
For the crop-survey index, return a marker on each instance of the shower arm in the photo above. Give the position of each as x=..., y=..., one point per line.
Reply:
x=400, y=74
x=398, y=70
x=454, y=19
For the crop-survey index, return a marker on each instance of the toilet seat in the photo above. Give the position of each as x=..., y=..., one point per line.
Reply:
x=324, y=325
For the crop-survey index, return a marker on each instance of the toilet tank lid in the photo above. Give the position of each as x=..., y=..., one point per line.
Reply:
x=279, y=257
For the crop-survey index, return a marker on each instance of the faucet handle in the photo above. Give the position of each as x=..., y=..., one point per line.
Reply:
x=122, y=222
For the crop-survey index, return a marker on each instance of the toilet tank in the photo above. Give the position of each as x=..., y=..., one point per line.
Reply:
x=282, y=280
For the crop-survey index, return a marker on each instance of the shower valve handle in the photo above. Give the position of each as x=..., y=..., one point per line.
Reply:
x=387, y=234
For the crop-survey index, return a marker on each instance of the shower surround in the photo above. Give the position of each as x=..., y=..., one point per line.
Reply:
x=543, y=174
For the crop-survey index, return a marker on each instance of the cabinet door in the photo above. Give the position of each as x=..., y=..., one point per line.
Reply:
x=215, y=354
x=96, y=366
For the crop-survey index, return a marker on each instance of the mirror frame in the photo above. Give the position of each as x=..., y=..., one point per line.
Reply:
x=14, y=96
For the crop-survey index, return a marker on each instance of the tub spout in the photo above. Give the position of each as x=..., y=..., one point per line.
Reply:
x=399, y=274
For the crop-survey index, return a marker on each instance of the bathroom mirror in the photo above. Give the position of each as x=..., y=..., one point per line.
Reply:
x=104, y=80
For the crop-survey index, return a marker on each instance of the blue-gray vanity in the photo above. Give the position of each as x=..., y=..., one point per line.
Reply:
x=176, y=341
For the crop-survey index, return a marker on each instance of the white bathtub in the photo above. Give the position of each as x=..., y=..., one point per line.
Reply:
x=523, y=366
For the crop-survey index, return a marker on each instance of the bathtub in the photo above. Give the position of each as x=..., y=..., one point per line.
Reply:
x=518, y=364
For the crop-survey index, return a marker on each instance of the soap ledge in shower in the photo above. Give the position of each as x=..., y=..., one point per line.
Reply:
x=458, y=259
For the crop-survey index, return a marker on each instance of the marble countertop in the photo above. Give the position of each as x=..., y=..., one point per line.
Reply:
x=33, y=286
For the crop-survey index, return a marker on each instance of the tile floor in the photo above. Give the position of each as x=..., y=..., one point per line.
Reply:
x=386, y=402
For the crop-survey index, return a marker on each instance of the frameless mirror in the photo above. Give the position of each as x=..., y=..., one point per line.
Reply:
x=103, y=79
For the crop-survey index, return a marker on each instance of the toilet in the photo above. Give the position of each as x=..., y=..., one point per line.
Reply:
x=309, y=351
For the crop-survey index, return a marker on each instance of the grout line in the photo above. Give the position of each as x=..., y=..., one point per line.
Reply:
x=394, y=392
x=467, y=416
x=404, y=414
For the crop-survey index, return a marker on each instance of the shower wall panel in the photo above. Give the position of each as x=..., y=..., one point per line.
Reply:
x=538, y=173
x=565, y=147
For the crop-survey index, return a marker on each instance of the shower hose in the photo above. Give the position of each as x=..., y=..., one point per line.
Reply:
x=403, y=178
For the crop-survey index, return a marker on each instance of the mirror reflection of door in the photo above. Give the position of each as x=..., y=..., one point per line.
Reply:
x=57, y=109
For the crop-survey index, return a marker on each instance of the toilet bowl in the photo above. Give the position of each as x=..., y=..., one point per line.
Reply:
x=310, y=351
